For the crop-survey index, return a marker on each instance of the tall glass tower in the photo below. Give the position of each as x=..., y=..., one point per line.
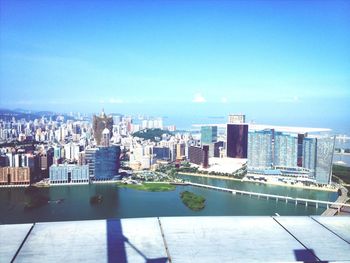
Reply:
x=309, y=154
x=324, y=159
x=286, y=150
x=209, y=134
x=260, y=149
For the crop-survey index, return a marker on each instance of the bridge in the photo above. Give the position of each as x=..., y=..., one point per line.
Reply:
x=287, y=199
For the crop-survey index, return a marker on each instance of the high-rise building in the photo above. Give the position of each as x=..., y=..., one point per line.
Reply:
x=218, y=146
x=180, y=151
x=90, y=156
x=4, y=161
x=161, y=153
x=300, y=150
x=285, y=150
x=71, y=151
x=103, y=162
x=99, y=124
x=209, y=134
x=309, y=155
x=260, y=153
x=45, y=161
x=292, y=153
x=199, y=155
x=324, y=159
x=236, y=118
x=237, y=141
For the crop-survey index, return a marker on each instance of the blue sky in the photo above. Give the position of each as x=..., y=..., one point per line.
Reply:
x=282, y=59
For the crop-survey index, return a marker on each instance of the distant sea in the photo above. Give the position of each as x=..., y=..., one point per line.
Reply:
x=343, y=158
x=186, y=122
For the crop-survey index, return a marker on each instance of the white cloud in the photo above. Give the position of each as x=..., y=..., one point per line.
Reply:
x=198, y=98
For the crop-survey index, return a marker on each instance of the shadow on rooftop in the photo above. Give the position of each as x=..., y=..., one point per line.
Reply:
x=306, y=255
x=116, y=242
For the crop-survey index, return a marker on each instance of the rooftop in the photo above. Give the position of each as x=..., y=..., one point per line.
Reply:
x=224, y=165
x=180, y=239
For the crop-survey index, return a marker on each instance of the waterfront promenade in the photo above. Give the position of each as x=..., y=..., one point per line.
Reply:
x=268, y=182
x=286, y=199
x=179, y=239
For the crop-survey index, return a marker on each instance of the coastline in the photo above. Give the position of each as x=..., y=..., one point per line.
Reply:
x=212, y=176
x=262, y=182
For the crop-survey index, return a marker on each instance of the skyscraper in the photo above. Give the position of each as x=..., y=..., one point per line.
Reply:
x=260, y=151
x=237, y=141
x=199, y=155
x=209, y=134
x=99, y=124
x=285, y=150
x=292, y=152
x=324, y=159
x=103, y=162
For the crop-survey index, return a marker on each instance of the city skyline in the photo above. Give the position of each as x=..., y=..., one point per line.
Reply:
x=174, y=130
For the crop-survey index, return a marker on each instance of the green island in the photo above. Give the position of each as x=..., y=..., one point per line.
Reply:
x=149, y=187
x=192, y=201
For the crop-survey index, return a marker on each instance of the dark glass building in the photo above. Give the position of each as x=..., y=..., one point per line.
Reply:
x=217, y=147
x=103, y=162
x=199, y=155
x=237, y=141
x=161, y=153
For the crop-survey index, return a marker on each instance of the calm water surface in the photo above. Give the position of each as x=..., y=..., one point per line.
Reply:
x=127, y=203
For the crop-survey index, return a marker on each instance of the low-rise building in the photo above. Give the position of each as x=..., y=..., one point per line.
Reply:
x=69, y=173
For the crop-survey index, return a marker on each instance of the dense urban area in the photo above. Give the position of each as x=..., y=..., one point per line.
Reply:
x=47, y=149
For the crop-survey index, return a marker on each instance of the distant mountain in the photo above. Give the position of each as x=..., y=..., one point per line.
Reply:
x=6, y=114
x=22, y=110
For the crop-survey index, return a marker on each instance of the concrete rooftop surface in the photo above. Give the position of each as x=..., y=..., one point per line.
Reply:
x=180, y=239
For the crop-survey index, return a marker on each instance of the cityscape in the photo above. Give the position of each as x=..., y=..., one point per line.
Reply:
x=64, y=151
x=174, y=131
